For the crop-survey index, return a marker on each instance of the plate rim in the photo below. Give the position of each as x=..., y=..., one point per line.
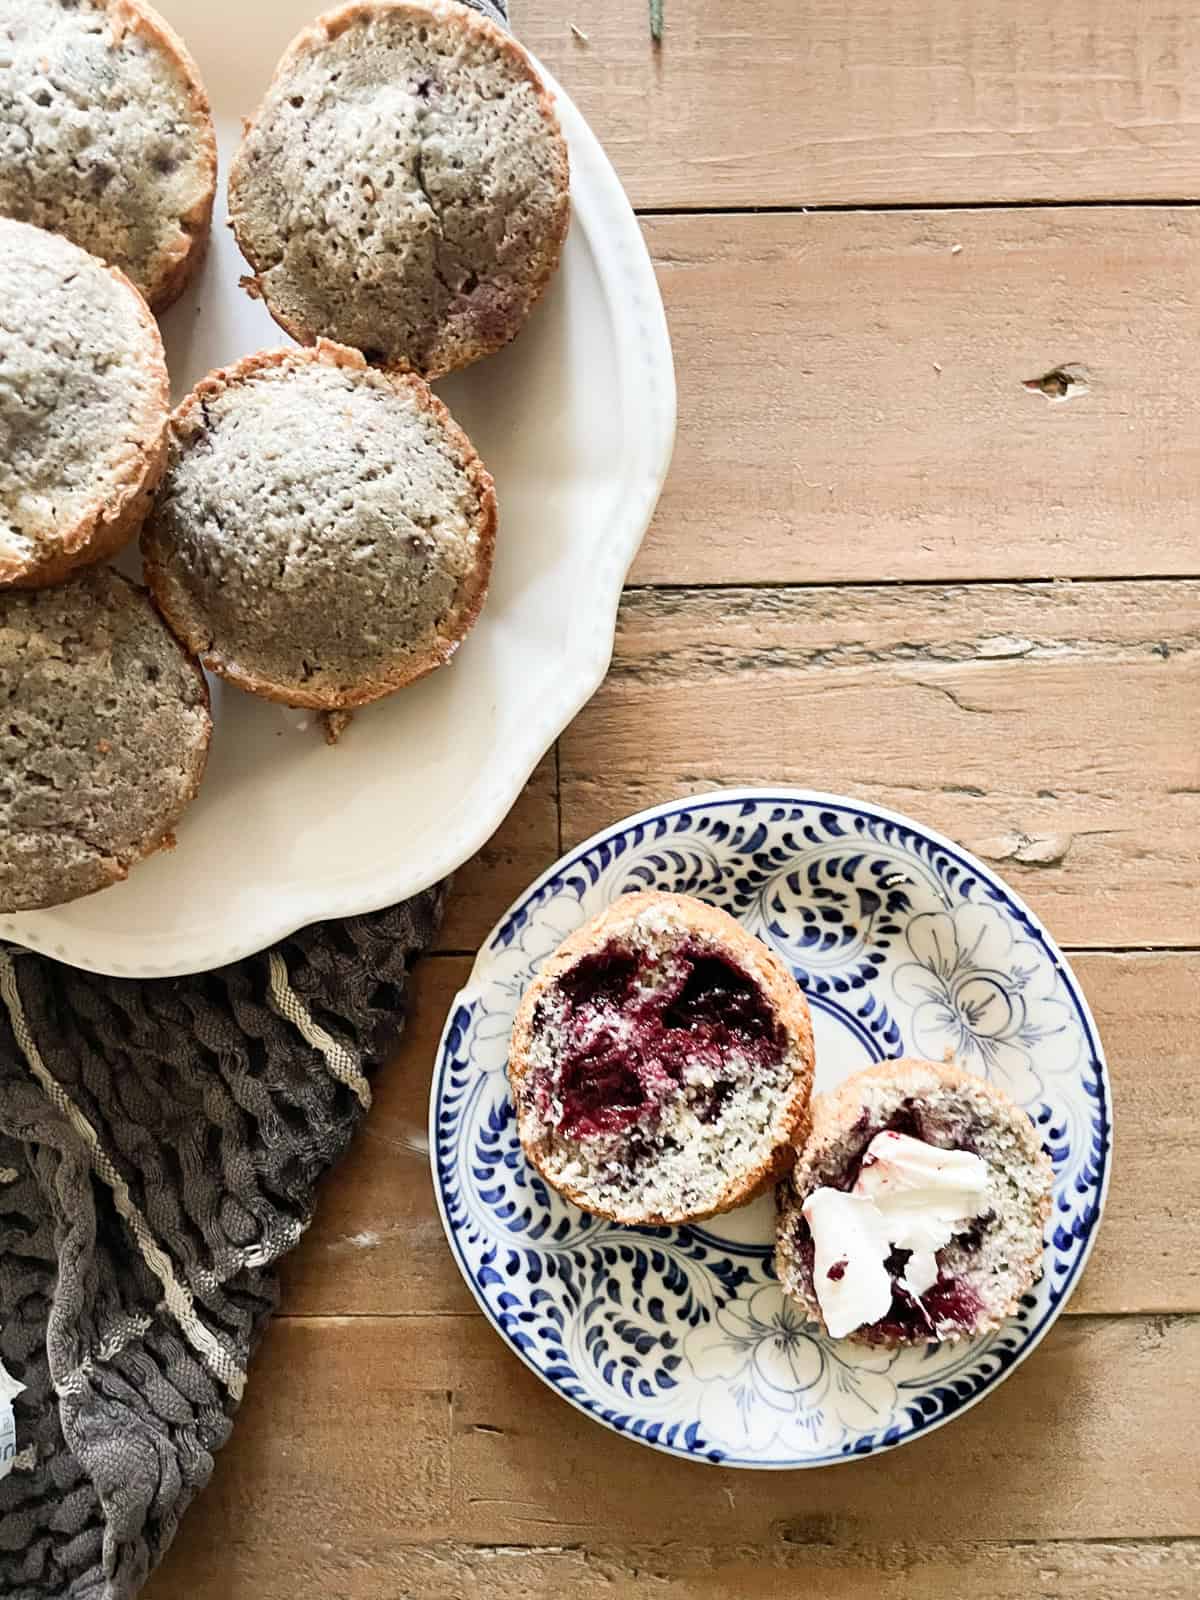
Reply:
x=642, y=341
x=786, y=795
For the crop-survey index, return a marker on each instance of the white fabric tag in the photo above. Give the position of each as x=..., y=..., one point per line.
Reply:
x=9, y=1389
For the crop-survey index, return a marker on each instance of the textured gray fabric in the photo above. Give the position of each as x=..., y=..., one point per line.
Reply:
x=219, y=1119
x=160, y=1146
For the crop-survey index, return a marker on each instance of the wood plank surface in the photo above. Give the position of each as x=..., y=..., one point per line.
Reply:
x=843, y=588
x=819, y=102
x=523, y=846
x=362, y=1438
x=1051, y=728
x=1051, y=1570
x=857, y=411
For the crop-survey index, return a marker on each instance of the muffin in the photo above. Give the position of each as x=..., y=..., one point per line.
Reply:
x=106, y=137
x=403, y=188
x=661, y=1063
x=916, y=1210
x=103, y=740
x=324, y=531
x=83, y=407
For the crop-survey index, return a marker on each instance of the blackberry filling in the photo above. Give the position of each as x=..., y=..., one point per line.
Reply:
x=948, y=1304
x=975, y=1234
x=905, y=1119
x=948, y=1301
x=716, y=994
x=599, y=1086
x=601, y=979
x=710, y=1105
x=637, y=1031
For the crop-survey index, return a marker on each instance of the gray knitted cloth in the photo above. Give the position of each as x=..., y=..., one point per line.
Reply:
x=160, y=1146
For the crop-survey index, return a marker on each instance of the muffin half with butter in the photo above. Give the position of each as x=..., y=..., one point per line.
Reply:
x=915, y=1212
x=323, y=533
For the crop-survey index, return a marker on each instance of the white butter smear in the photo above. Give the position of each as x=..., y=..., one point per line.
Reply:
x=909, y=1195
x=9, y=1390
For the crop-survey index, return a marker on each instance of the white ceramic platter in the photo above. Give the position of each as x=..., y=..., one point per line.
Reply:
x=680, y=1337
x=576, y=421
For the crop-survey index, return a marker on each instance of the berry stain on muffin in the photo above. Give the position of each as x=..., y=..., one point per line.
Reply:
x=662, y=1063
x=636, y=1033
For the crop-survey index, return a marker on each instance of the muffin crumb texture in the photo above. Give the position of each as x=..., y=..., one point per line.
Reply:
x=103, y=738
x=105, y=136
x=323, y=532
x=403, y=187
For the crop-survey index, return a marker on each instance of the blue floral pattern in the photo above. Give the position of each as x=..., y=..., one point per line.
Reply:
x=976, y=986
x=770, y=1383
x=681, y=1337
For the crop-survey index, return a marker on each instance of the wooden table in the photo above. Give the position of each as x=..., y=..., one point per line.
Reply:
x=883, y=566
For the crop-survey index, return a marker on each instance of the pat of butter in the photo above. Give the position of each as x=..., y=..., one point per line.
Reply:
x=925, y=1193
x=909, y=1195
x=850, y=1247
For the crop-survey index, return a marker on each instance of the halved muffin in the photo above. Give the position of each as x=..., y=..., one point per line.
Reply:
x=915, y=1212
x=662, y=1063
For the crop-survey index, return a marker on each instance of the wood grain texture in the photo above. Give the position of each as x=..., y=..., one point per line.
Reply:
x=815, y=102
x=364, y=1437
x=857, y=410
x=525, y=843
x=1047, y=1569
x=376, y=1246
x=1050, y=728
x=852, y=412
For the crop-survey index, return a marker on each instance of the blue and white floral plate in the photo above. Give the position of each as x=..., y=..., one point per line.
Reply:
x=680, y=1337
